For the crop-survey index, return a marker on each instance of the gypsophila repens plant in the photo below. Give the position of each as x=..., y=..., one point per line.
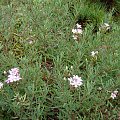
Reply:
x=59, y=60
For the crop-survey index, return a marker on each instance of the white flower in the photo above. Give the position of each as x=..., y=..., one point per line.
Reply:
x=1, y=85
x=5, y=72
x=64, y=78
x=93, y=53
x=106, y=24
x=75, y=81
x=74, y=31
x=114, y=94
x=104, y=27
x=71, y=67
x=99, y=88
x=79, y=26
x=75, y=37
x=66, y=67
x=30, y=42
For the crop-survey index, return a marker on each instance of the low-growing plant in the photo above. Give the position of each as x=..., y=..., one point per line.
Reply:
x=59, y=60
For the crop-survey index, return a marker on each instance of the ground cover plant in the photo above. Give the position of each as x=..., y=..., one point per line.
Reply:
x=59, y=60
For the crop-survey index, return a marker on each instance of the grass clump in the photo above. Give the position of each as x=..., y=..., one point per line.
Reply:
x=61, y=78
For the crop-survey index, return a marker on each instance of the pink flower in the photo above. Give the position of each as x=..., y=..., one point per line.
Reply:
x=114, y=94
x=75, y=81
x=79, y=31
x=14, y=71
x=13, y=75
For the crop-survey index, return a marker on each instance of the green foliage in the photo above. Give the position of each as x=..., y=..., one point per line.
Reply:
x=35, y=35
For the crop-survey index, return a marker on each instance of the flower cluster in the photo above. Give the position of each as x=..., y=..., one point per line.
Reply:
x=13, y=75
x=114, y=94
x=75, y=81
x=77, y=31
